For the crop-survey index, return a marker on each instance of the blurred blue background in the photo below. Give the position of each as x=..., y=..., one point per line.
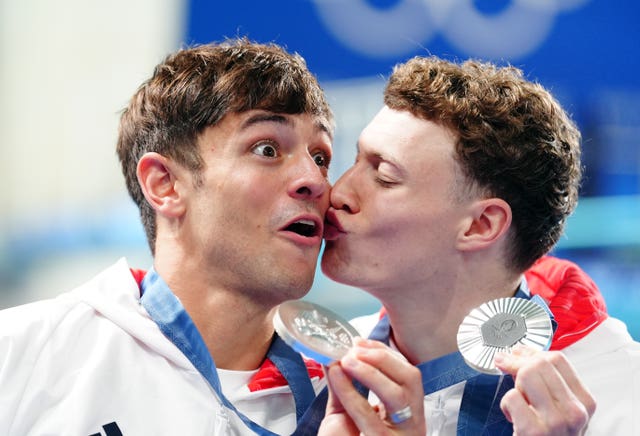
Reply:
x=68, y=68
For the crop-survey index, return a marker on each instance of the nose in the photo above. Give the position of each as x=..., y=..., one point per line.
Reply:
x=310, y=182
x=343, y=196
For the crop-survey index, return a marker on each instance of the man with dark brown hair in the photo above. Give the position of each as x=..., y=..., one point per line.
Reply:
x=225, y=150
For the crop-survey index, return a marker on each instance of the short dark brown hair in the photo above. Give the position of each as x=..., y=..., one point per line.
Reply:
x=195, y=88
x=515, y=141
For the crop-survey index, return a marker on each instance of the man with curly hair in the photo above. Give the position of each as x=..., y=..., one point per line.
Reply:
x=462, y=182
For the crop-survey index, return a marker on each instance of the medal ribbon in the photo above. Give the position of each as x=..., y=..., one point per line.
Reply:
x=175, y=323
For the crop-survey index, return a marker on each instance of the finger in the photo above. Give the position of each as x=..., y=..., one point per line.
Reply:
x=545, y=390
x=334, y=405
x=510, y=363
x=523, y=356
x=395, y=382
x=568, y=373
x=390, y=362
x=343, y=397
x=336, y=417
x=527, y=420
x=392, y=394
x=518, y=412
x=343, y=393
x=373, y=344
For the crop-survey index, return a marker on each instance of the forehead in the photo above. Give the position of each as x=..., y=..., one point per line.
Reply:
x=403, y=137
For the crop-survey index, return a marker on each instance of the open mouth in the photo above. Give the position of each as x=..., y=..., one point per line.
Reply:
x=306, y=228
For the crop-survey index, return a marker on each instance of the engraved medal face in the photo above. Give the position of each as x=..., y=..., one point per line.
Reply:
x=498, y=326
x=503, y=330
x=314, y=331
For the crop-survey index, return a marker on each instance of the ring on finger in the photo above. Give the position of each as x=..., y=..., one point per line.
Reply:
x=401, y=415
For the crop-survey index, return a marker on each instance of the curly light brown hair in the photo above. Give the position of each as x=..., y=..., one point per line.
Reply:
x=195, y=88
x=515, y=141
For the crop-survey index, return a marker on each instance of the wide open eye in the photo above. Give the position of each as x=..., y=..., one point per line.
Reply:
x=266, y=149
x=321, y=159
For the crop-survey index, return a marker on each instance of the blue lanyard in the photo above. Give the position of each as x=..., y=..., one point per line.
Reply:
x=176, y=324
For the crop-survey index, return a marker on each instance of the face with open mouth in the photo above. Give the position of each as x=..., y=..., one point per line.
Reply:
x=257, y=220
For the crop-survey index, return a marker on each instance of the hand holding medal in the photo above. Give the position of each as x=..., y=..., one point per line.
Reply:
x=548, y=396
x=318, y=333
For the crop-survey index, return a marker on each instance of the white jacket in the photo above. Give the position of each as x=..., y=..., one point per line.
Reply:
x=92, y=359
x=608, y=362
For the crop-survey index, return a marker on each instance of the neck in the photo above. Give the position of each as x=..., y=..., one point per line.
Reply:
x=236, y=328
x=424, y=320
x=237, y=333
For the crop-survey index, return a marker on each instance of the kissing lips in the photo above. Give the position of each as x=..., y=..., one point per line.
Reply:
x=332, y=227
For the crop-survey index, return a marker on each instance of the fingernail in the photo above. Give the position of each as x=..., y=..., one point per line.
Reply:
x=349, y=361
x=359, y=341
x=360, y=351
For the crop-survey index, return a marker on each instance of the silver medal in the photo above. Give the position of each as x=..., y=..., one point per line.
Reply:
x=498, y=326
x=314, y=331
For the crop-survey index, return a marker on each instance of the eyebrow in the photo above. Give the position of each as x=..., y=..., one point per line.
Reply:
x=266, y=118
x=324, y=127
x=269, y=117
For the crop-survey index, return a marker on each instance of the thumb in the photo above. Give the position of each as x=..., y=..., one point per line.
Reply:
x=336, y=419
x=335, y=376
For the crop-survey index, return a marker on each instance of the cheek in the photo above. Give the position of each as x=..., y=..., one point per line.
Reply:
x=245, y=191
x=401, y=231
x=224, y=208
x=388, y=217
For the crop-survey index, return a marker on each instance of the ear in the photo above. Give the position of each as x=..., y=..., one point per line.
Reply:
x=488, y=222
x=158, y=179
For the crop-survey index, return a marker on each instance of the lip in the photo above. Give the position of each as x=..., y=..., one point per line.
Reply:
x=313, y=240
x=332, y=227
